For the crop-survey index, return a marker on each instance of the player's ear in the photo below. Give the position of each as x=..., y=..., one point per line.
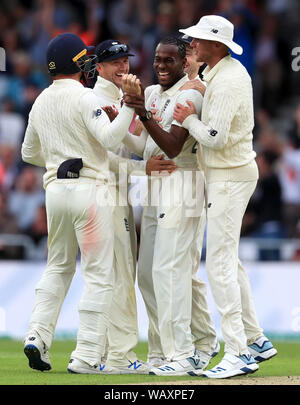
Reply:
x=99, y=67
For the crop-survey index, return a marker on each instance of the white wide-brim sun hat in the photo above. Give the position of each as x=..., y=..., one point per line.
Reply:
x=214, y=28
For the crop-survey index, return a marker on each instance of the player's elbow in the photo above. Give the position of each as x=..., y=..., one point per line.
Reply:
x=172, y=155
x=174, y=152
x=25, y=156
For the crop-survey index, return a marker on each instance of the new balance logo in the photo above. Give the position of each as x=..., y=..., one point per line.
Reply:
x=217, y=370
x=161, y=215
x=194, y=362
x=135, y=365
x=97, y=113
x=213, y=132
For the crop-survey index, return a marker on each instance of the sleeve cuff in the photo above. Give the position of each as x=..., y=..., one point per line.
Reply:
x=187, y=122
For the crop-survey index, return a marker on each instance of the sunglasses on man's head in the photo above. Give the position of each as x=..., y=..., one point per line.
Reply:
x=114, y=50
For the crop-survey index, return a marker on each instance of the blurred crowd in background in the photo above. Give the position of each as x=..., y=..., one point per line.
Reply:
x=268, y=31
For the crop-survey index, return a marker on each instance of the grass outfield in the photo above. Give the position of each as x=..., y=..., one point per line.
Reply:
x=14, y=369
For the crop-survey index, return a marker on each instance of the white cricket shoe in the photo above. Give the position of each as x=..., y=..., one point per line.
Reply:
x=77, y=366
x=262, y=349
x=36, y=352
x=192, y=366
x=206, y=357
x=215, y=350
x=136, y=367
x=156, y=361
x=231, y=366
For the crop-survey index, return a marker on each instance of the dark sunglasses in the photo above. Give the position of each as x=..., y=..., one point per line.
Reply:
x=114, y=50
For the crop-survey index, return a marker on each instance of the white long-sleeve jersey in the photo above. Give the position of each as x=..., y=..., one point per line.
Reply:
x=110, y=95
x=65, y=122
x=164, y=102
x=225, y=129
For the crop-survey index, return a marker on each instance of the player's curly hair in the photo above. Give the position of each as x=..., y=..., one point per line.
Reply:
x=177, y=42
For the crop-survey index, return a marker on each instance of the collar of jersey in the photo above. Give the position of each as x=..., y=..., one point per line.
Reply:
x=208, y=73
x=174, y=89
x=108, y=89
x=66, y=82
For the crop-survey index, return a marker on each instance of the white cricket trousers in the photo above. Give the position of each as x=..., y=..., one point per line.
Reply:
x=75, y=218
x=227, y=202
x=166, y=264
x=123, y=325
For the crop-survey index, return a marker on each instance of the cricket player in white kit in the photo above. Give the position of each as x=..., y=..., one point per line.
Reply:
x=225, y=133
x=169, y=225
x=113, y=64
x=68, y=134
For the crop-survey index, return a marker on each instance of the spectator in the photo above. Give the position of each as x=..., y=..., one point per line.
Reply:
x=290, y=183
x=269, y=72
x=27, y=197
x=26, y=83
x=246, y=25
x=264, y=212
x=12, y=125
x=38, y=230
x=8, y=225
x=8, y=166
x=294, y=132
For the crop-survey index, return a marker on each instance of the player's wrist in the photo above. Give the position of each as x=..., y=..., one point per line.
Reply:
x=146, y=116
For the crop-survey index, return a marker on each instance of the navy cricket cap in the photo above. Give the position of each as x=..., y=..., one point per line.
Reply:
x=112, y=49
x=63, y=53
x=186, y=39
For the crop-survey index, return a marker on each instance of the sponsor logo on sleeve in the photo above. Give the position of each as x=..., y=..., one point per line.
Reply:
x=212, y=132
x=97, y=113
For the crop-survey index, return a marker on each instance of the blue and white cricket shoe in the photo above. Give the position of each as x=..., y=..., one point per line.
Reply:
x=131, y=367
x=77, y=366
x=206, y=357
x=262, y=349
x=192, y=366
x=36, y=352
x=231, y=366
x=215, y=350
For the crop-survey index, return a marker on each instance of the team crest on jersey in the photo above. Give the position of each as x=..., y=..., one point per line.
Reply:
x=153, y=104
x=97, y=113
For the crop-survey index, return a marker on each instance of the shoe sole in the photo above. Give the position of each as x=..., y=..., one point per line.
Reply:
x=249, y=369
x=270, y=353
x=83, y=371
x=34, y=356
x=118, y=372
x=192, y=373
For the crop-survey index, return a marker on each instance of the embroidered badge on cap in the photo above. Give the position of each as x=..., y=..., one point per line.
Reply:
x=52, y=65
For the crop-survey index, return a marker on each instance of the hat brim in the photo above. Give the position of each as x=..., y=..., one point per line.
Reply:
x=116, y=56
x=90, y=48
x=196, y=33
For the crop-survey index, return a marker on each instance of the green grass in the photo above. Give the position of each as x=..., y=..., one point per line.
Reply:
x=14, y=369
